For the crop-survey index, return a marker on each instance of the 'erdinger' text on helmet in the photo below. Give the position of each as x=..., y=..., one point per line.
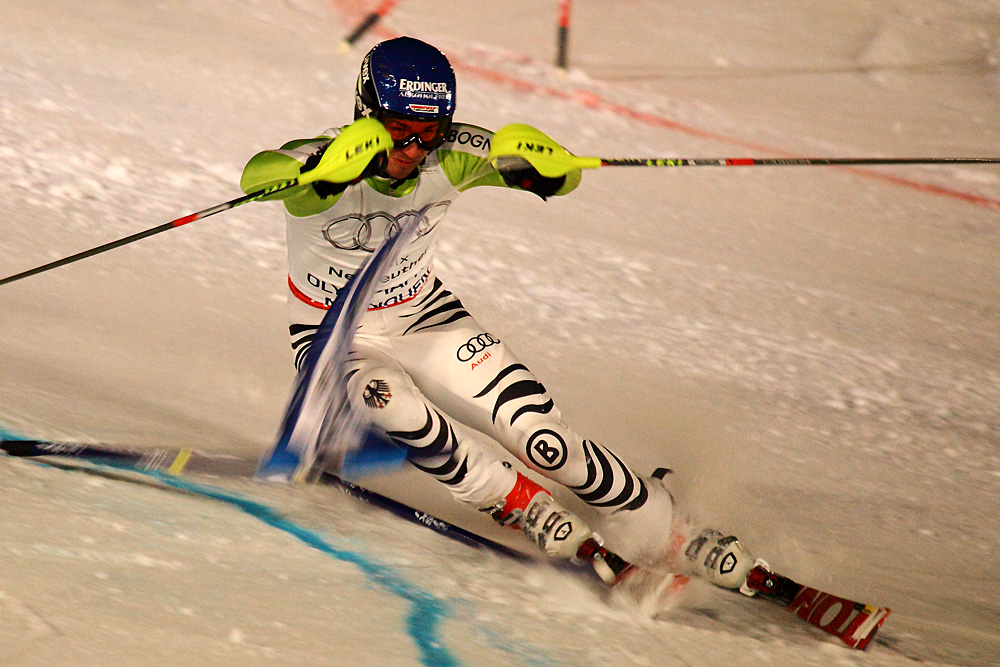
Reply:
x=406, y=78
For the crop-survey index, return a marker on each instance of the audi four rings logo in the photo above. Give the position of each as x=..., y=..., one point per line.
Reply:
x=475, y=345
x=366, y=232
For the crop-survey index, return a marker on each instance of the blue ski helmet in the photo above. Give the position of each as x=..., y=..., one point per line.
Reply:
x=406, y=78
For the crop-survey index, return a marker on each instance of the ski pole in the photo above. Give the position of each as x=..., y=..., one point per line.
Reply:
x=593, y=163
x=559, y=162
x=517, y=146
x=232, y=203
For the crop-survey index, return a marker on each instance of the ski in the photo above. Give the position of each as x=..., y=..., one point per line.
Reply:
x=418, y=517
x=175, y=462
x=853, y=622
x=169, y=461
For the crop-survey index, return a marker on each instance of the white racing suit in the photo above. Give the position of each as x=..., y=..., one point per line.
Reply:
x=422, y=368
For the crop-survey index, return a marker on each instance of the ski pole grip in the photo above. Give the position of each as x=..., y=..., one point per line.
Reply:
x=587, y=162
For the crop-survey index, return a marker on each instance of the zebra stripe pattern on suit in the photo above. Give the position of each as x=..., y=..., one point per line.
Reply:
x=433, y=448
x=610, y=484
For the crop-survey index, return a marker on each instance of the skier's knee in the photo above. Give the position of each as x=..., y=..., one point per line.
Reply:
x=387, y=396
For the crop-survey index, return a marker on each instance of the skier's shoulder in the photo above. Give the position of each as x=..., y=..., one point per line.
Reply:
x=331, y=132
x=462, y=156
x=310, y=144
x=468, y=138
x=305, y=147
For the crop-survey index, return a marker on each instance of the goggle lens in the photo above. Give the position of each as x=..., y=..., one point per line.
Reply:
x=428, y=134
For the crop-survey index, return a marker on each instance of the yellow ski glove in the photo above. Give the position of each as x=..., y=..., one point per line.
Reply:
x=354, y=153
x=515, y=145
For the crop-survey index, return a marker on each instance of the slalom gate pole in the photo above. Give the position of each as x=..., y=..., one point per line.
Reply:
x=562, y=34
x=366, y=24
x=219, y=208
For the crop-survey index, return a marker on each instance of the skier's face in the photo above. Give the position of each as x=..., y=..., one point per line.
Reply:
x=428, y=134
x=413, y=140
x=402, y=161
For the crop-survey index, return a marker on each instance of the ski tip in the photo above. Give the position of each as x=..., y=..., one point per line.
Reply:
x=852, y=622
x=861, y=636
x=20, y=447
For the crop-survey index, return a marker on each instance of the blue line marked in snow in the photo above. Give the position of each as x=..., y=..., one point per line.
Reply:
x=427, y=611
x=7, y=435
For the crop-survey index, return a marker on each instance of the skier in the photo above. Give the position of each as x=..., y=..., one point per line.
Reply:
x=424, y=370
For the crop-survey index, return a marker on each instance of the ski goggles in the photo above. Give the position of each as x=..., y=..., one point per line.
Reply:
x=428, y=134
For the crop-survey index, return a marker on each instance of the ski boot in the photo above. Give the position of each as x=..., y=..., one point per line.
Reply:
x=721, y=559
x=554, y=529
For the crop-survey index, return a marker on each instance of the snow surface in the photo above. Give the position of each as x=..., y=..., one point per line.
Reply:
x=813, y=350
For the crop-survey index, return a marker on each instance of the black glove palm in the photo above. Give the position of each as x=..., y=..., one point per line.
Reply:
x=527, y=178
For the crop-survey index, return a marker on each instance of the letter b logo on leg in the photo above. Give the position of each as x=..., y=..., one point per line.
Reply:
x=546, y=449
